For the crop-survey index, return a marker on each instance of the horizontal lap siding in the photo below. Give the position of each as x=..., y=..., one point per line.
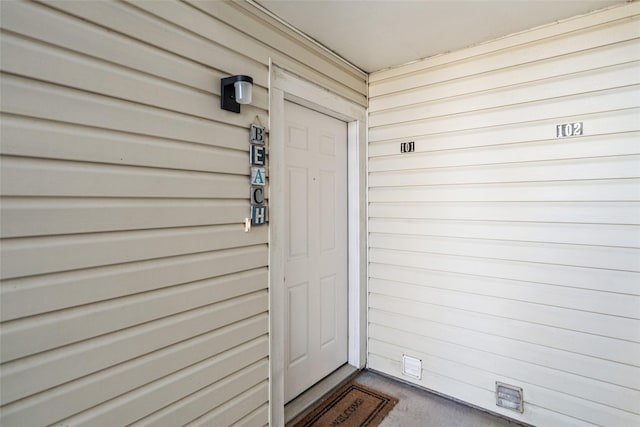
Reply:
x=497, y=251
x=130, y=292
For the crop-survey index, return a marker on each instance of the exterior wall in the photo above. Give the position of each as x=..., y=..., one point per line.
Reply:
x=131, y=293
x=497, y=251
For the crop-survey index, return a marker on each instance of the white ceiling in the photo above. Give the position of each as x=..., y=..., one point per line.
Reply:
x=378, y=34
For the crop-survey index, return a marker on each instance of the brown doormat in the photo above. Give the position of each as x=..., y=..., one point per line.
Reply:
x=353, y=405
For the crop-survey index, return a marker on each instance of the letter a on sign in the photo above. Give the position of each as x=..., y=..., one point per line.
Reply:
x=258, y=176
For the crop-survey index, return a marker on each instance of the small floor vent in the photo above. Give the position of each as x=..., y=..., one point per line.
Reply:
x=510, y=397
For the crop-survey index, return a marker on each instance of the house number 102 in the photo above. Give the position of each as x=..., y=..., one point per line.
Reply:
x=569, y=129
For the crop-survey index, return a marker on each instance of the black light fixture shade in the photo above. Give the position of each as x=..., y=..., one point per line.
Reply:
x=228, y=92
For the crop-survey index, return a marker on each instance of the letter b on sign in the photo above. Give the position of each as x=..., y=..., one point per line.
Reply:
x=256, y=134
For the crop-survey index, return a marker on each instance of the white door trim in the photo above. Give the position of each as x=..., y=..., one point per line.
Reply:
x=286, y=86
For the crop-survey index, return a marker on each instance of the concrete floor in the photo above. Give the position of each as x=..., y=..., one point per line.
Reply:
x=419, y=408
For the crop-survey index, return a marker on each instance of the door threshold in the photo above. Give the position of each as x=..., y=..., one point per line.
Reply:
x=298, y=406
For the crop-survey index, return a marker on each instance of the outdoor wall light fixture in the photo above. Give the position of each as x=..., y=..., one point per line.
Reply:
x=235, y=90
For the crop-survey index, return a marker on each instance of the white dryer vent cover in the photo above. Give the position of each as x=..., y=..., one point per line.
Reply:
x=510, y=397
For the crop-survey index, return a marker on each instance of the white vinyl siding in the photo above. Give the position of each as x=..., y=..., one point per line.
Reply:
x=130, y=292
x=498, y=252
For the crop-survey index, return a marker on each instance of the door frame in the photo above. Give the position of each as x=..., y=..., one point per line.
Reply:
x=284, y=85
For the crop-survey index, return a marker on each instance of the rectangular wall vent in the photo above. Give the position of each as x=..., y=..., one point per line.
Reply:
x=510, y=397
x=411, y=366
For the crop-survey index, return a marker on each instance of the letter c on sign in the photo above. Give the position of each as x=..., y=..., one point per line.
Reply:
x=257, y=195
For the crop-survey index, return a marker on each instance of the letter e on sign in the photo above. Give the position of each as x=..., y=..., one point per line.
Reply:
x=257, y=154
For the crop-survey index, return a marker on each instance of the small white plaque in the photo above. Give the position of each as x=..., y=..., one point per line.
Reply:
x=411, y=366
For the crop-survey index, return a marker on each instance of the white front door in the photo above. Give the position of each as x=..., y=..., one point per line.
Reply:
x=316, y=255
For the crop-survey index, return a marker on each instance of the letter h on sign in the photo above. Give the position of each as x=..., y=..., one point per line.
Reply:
x=258, y=215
